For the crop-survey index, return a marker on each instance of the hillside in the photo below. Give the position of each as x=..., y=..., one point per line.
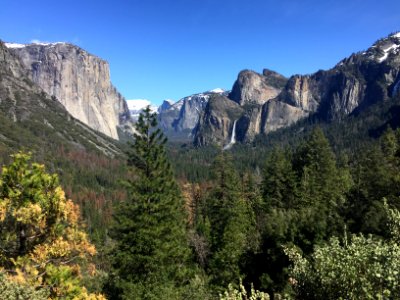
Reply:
x=90, y=162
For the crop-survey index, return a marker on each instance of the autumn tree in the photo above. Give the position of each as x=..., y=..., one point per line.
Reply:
x=151, y=256
x=41, y=241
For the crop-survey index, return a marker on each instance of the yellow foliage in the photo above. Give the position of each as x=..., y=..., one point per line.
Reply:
x=71, y=212
x=3, y=208
x=29, y=214
x=42, y=231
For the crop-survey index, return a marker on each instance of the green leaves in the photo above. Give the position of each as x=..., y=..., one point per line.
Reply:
x=363, y=268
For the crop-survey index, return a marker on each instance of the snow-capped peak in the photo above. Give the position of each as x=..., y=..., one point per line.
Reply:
x=170, y=101
x=46, y=43
x=388, y=50
x=396, y=35
x=14, y=45
x=34, y=42
x=137, y=105
x=217, y=91
x=384, y=48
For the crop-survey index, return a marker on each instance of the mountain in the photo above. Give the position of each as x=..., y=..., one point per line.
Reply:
x=89, y=163
x=257, y=88
x=137, y=105
x=79, y=81
x=268, y=101
x=33, y=119
x=179, y=120
x=255, y=111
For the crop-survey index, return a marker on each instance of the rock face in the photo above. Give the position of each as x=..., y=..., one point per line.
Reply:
x=36, y=118
x=251, y=87
x=217, y=121
x=251, y=92
x=79, y=80
x=269, y=101
x=302, y=92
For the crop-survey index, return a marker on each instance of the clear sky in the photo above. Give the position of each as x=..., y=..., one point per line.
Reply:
x=159, y=49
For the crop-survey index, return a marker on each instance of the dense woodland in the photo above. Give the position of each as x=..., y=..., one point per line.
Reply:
x=309, y=212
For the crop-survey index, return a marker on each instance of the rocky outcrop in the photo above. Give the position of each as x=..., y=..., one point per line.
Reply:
x=251, y=87
x=302, y=92
x=267, y=118
x=352, y=85
x=38, y=120
x=79, y=80
x=216, y=124
x=250, y=124
x=165, y=106
x=277, y=114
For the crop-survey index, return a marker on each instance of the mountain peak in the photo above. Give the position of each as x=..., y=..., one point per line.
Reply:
x=36, y=43
x=167, y=103
x=217, y=91
x=383, y=48
x=14, y=45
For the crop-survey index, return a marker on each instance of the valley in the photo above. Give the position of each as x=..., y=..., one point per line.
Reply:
x=256, y=185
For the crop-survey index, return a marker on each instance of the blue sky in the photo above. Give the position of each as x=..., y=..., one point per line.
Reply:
x=160, y=49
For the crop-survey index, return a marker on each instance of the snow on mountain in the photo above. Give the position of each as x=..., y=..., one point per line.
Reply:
x=388, y=50
x=137, y=105
x=397, y=35
x=34, y=42
x=217, y=91
x=14, y=45
x=170, y=101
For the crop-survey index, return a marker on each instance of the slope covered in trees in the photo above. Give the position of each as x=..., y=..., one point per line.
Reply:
x=283, y=229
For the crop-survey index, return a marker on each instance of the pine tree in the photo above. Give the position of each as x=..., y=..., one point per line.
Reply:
x=232, y=223
x=151, y=254
x=322, y=187
x=316, y=165
x=376, y=177
x=279, y=188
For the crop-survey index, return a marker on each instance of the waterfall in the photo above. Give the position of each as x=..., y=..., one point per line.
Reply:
x=233, y=140
x=233, y=137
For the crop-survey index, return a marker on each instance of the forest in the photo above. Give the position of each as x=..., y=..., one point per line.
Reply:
x=315, y=216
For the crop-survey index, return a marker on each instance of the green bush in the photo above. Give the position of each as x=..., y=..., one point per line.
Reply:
x=361, y=268
x=241, y=294
x=10, y=290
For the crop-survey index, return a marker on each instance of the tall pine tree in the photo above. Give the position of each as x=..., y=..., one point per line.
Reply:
x=232, y=224
x=151, y=255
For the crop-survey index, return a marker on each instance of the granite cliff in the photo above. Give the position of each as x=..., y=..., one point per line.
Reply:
x=268, y=101
x=32, y=119
x=79, y=80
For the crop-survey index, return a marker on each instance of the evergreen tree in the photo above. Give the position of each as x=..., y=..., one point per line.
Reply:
x=151, y=254
x=322, y=185
x=316, y=165
x=376, y=177
x=279, y=186
x=232, y=223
